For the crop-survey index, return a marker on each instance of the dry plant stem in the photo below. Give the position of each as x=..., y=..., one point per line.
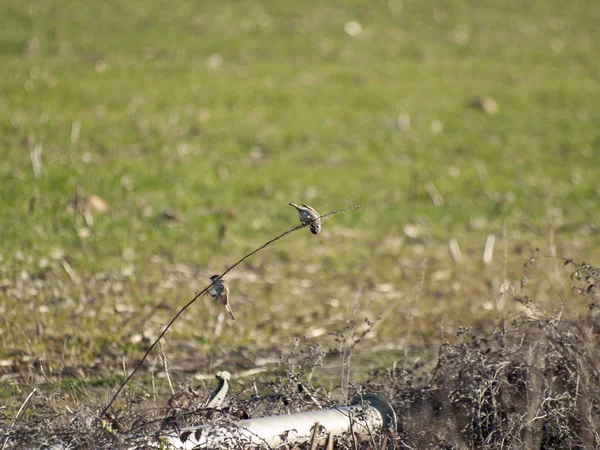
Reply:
x=308, y=392
x=410, y=307
x=346, y=349
x=552, y=244
x=349, y=342
x=330, y=441
x=21, y=409
x=153, y=382
x=188, y=304
x=62, y=362
x=70, y=272
x=384, y=443
x=166, y=367
x=455, y=251
x=353, y=434
x=434, y=373
x=314, y=440
x=501, y=299
x=124, y=366
x=36, y=160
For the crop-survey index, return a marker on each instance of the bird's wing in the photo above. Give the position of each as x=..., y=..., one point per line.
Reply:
x=311, y=210
x=223, y=294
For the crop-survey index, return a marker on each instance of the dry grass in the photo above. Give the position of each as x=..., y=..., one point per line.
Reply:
x=534, y=382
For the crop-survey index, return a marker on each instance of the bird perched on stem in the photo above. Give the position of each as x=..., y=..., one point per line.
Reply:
x=220, y=292
x=308, y=216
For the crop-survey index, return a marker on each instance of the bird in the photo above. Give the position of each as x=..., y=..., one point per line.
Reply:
x=218, y=396
x=220, y=292
x=309, y=216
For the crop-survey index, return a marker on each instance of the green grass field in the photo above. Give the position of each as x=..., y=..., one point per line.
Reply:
x=197, y=122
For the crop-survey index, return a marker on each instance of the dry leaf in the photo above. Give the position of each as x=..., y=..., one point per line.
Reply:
x=486, y=104
x=171, y=215
x=97, y=203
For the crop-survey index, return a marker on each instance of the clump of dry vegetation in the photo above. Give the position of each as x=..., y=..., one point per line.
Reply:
x=533, y=383
x=535, y=386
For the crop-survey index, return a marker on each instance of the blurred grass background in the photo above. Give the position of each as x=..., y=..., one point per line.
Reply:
x=145, y=146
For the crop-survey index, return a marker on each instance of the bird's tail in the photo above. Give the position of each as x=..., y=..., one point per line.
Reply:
x=230, y=311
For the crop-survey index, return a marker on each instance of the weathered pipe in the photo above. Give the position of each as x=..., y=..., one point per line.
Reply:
x=367, y=415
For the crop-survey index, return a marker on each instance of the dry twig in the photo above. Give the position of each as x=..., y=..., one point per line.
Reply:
x=198, y=294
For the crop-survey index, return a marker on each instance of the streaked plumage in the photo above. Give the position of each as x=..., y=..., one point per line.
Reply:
x=220, y=292
x=309, y=216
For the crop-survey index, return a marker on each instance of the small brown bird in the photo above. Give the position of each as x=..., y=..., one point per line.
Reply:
x=309, y=216
x=220, y=292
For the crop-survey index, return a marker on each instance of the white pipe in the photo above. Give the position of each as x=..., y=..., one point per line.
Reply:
x=367, y=416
